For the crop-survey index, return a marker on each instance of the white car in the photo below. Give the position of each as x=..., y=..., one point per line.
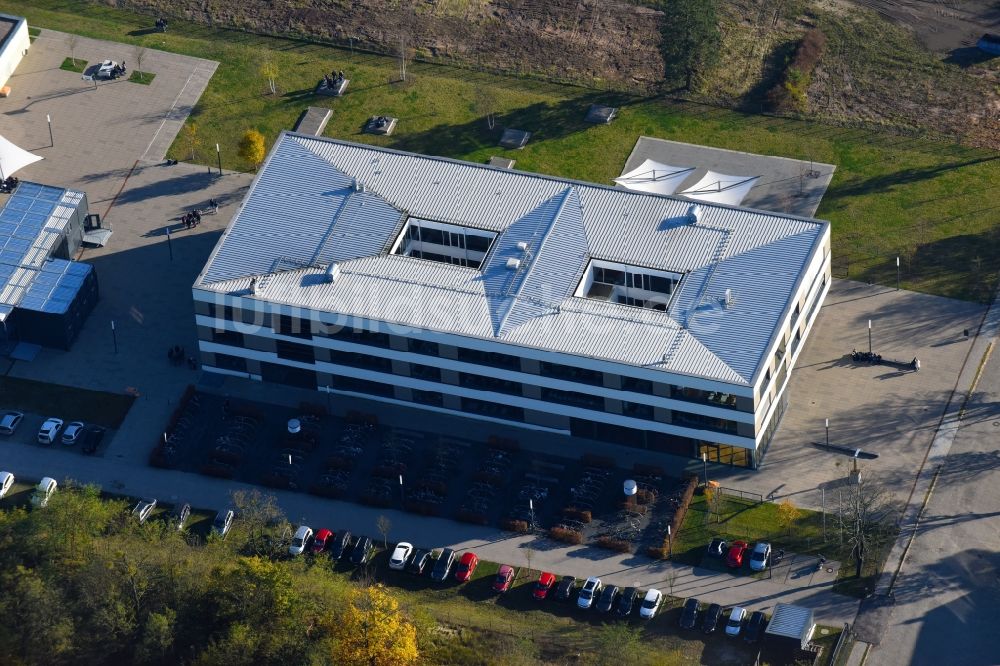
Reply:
x=49, y=431
x=43, y=492
x=6, y=481
x=9, y=422
x=223, y=521
x=590, y=591
x=735, y=621
x=143, y=509
x=301, y=540
x=71, y=434
x=651, y=603
x=401, y=555
x=760, y=556
x=108, y=70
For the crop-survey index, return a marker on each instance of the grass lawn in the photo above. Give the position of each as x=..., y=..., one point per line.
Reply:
x=743, y=519
x=67, y=402
x=73, y=65
x=144, y=78
x=934, y=205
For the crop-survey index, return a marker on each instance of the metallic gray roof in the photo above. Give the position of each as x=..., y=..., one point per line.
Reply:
x=319, y=200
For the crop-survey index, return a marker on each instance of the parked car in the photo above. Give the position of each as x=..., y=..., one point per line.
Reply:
x=43, y=492
x=755, y=627
x=590, y=590
x=362, y=551
x=91, y=438
x=108, y=69
x=565, y=588
x=71, y=435
x=144, y=509
x=734, y=558
x=627, y=602
x=340, y=544
x=651, y=603
x=419, y=561
x=223, y=521
x=442, y=567
x=761, y=556
x=717, y=547
x=301, y=540
x=179, y=515
x=546, y=581
x=689, y=614
x=400, y=556
x=711, y=618
x=606, y=601
x=735, y=622
x=321, y=539
x=6, y=481
x=466, y=567
x=504, y=579
x=49, y=431
x=9, y=422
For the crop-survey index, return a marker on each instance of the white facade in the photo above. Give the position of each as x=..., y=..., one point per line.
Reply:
x=14, y=47
x=687, y=349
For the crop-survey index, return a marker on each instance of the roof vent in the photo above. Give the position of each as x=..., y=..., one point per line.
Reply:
x=332, y=272
x=359, y=186
x=728, y=299
x=694, y=214
x=513, y=264
x=522, y=246
x=253, y=286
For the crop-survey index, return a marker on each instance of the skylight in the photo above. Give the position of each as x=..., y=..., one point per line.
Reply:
x=629, y=285
x=443, y=242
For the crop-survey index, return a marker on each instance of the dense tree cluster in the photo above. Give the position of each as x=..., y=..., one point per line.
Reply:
x=83, y=583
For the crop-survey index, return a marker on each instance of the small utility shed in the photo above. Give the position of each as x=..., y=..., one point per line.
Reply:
x=791, y=623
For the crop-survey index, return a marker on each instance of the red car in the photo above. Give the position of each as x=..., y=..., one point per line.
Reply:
x=466, y=567
x=737, y=549
x=543, y=586
x=505, y=576
x=320, y=540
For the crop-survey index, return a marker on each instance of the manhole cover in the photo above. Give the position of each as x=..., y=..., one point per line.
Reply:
x=829, y=570
x=824, y=631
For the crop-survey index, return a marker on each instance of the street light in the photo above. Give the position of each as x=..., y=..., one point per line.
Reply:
x=704, y=463
x=402, y=499
x=114, y=336
x=897, y=273
x=828, y=432
x=218, y=152
x=670, y=544
x=48, y=119
x=869, y=338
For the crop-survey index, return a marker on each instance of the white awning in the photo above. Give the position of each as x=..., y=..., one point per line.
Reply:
x=654, y=177
x=720, y=188
x=13, y=158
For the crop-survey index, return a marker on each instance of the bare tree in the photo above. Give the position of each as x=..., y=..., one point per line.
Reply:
x=139, y=52
x=191, y=135
x=404, y=55
x=671, y=581
x=529, y=553
x=486, y=104
x=866, y=515
x=384, y=525
x=72, y=43
x=269, y=70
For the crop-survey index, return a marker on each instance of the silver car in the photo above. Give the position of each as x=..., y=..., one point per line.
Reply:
x=761, y=556
x=9, y=422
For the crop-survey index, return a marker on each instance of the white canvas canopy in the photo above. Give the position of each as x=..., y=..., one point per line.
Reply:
x=654, y=177
x=13, y=159
x=719, y=188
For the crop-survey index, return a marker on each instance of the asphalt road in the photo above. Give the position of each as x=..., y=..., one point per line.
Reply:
x=948, y=593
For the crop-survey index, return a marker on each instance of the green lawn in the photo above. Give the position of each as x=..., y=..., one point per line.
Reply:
x=934, y=205
x=73, y=65
x=750, y=522
x=66, y=402
x=144, y=78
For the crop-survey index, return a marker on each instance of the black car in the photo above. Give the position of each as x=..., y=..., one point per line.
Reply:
x=91, y=438
x=339, y=544
x=362, y=550
x=443, y=565
x=179, y=515
x=627, y=601
x=565, y=588
x=755, y=627
x=711, y=619
x=718, y=547
x=689, y=614
x=607, y=599
x=419, y=562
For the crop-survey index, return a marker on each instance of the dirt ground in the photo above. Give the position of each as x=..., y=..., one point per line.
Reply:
x=940, y=25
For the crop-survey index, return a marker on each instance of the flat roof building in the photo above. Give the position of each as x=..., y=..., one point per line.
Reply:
x=14, y=43
x=593, y=311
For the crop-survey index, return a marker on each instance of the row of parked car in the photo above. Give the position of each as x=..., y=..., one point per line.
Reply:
x=737, y=552
x=45, y=489
x=179, y=515
x=736, y=623
x=89, y=436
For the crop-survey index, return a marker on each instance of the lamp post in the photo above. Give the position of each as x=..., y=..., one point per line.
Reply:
x=869, y=337
x=670, y=544
x=48, y=119
x=218, y=153
x=828, y=432
x=897, y=273
x=114, y=336
x=170, y=247
x=531, y=510
x=704, y=464
x=402, y=499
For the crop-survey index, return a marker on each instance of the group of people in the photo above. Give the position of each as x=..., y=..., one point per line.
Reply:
x=191, y=219
x=118, y=70
x=176, y=356
x=161, y=24
x=9, y=184
x=334, y=79
x=381, y=121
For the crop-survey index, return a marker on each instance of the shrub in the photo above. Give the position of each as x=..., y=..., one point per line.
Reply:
x=573, y=513
x=790, y=93
x=334, y=463
x=519, y=526
x=657, y=552
x=681, y=511
x=645, y=496
x=617, y=545
x=565, y=535
x=389, y=471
